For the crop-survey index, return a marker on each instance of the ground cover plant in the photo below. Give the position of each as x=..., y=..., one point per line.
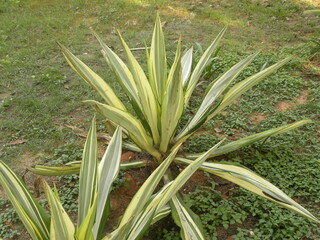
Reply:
x=232, y=125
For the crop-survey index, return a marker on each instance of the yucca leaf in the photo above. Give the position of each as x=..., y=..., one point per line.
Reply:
x=61, y=225
x=56, y=171
x=75, y=168
x=159, y=200
x=254, y=183
x=186, y=66
x=201, y=65
x=213, y=92
x=165, y=211
x=184, y=176
x=134, y=127
x=252, y=138
x=88, y=173
x=243, y=86
x=120, y=233
x=35, y=219
x=148, y=214
x=132, y=164
x=85, y=230
x=172, y=105
x=186, y=219
x=92, y=79
x=107, y=172
x=122, y=72
x=144, y=193
x=158, y=62
x=145, y=93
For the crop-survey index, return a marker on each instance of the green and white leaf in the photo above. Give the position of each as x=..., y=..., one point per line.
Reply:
x=183, y=177
x=158, y=62
x=165, y=211
x=33, y=216
x=145, y=93
x=144, y=193
x=187, y=220
x=159, y=200
x=201, y=66
x=75, y=168
x=134, y=127
x=122, y=72
x=213, y=92
x=252, y=138
x=243, y=86
x=55, y=171
x=172, y=105
x=61, y=226
x=148, y=215
x=85, y=230
x=186, y=66
x=107, y=172
x=92, y=79
x=254, y=183
x=88, y=174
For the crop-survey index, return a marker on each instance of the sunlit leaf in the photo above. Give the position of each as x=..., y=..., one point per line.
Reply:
x=254, y=183
x=33, y=216
x=88, y=174
x=61, y=225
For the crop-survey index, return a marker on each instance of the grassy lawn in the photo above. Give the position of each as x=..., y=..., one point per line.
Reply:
x=41, y=99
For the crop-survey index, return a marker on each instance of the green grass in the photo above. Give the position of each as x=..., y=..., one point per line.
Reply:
x=40, y=94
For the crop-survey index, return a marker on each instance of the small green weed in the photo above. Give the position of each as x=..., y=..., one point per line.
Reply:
x=8, y=218
x=272, y=222
x=214, y=210
x=200, y=143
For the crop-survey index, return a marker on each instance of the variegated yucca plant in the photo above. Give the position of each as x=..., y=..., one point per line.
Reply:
x=159, y=100
x=96, y=179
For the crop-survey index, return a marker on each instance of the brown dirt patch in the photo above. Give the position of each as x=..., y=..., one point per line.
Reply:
x=197, y=179
x=282, y=106
x=121, y=197
x=256, y=118
x=303, y=98
x=128, y=156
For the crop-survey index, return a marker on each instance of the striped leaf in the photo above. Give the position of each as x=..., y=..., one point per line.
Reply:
x=107, y=172
x=143, y=220
x=33, y=216
x=172, y=105
x=88, y=174
x=186, y=219
x=122, y=72
x=144, y=193
x=254, y=183
x=182, y=178
x=92, y=79
x=146, y=96
x=213, y=92
x=201, y=65
x=186, y=66
x=61, y=225
x=120, y=233
x=158, y=62
x=243, y=86
x=134, y=127
x=252, y=138
x=75, y=168
x=85, y=230
x=158, y=201
x=162, y=213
